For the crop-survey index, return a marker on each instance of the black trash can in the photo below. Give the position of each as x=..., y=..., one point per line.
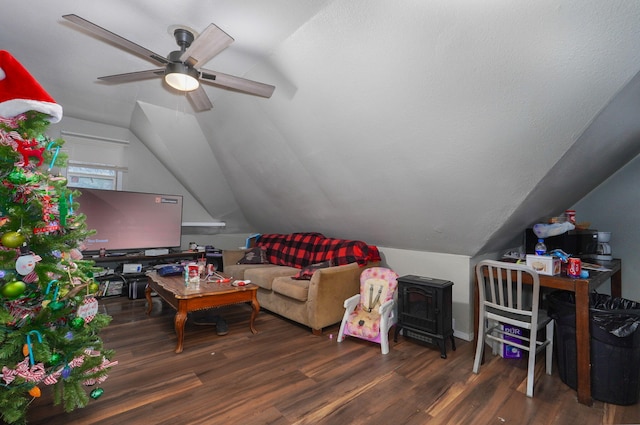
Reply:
x=615, y=345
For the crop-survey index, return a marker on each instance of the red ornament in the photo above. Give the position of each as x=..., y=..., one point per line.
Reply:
x=28, y=149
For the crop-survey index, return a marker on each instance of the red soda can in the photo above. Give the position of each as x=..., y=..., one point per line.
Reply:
x=574, y=268
x=570, y=216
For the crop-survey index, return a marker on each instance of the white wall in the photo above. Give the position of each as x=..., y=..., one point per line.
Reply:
x=220, y=241
x=613, y=207
x=456, y=268
x=144, y=172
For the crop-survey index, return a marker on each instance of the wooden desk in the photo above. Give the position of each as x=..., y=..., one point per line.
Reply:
x=581, y=288
x=203, y=296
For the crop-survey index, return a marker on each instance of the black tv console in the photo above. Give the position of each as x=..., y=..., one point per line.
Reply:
x=118, y=284
x=137, y=258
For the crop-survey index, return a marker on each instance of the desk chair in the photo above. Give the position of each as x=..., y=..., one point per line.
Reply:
x=500, y=290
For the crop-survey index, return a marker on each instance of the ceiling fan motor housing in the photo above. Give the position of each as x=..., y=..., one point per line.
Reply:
x=179, y=75
x=175, y=56
x=183, y=37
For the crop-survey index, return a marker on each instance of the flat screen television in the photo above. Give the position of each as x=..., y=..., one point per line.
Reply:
x=129, y=221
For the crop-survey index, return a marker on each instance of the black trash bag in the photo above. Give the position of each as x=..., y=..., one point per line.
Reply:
x=615, y=345
x=607, y=302
x=618, y=316
x=620, y=325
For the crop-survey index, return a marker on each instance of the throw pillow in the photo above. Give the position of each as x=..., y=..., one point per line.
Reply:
x=255, y=255
x=307, y=272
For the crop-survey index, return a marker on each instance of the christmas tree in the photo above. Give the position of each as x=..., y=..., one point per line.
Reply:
x=49, y=319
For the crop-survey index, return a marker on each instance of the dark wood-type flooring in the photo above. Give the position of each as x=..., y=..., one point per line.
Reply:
x=285, y=375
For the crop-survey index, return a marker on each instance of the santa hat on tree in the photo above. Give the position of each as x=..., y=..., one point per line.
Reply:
x=20, y=92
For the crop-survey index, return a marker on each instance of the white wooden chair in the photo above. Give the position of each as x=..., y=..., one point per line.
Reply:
x=501, y=293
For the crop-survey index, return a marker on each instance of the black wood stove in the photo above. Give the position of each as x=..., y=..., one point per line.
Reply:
x=424, y=311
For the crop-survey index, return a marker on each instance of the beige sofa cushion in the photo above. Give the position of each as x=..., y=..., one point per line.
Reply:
x=237, y=271
x=296, y=289
x=264, y=276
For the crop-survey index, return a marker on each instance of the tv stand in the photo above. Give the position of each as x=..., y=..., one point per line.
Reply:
x=119, y=282
x=155, y=252
x=138, y=257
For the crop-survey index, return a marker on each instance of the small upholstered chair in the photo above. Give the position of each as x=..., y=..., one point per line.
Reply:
x=370, y=314
x=501, y=292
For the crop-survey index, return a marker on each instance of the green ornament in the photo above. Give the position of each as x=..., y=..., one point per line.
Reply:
x=63, y=209
x=95, y=394
x=77, y=323
x=56, y=305
x=55, y=358
x=12, y=239
x=17, y=177
x=13, y=290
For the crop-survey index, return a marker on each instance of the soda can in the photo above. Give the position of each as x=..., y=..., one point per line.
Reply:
x=574, y=267
x=570, y=215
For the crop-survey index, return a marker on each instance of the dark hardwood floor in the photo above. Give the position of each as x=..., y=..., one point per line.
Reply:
x=285, y=375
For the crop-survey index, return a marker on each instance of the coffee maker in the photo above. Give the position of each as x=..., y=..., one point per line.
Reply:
x=603, y=251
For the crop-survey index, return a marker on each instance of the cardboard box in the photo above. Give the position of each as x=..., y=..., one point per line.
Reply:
x=544, y=264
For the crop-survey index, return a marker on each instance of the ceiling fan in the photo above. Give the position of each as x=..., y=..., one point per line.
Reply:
x=182, y=69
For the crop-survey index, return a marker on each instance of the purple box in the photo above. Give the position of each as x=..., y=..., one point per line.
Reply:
x=508, y=351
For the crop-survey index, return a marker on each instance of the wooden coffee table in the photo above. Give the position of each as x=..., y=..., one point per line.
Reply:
x=203, y=296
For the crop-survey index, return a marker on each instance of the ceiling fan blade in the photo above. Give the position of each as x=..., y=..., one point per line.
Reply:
x=116, y=39
x=209, y=43
x=133, y=76
x=243, y=85
x=199, y=99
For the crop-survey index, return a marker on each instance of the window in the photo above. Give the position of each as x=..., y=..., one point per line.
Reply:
x=84, y=150
x=94, y=176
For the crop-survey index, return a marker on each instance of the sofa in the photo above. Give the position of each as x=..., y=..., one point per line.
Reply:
x=304, y=277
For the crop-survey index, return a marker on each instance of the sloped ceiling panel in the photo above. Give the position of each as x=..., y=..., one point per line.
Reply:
x=177, y=141
x=418, y=125
x=422, y=127
x=607, y=145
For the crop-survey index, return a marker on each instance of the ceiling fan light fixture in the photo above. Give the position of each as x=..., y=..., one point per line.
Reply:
x=178, y=66
x=181, y=77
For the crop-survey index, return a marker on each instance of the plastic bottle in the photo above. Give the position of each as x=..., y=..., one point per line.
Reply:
x=540, y=248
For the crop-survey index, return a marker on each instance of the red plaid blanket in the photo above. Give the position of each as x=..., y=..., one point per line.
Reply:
x=302, y=249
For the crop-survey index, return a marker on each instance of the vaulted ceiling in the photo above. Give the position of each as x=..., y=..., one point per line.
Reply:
x=439, y=125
